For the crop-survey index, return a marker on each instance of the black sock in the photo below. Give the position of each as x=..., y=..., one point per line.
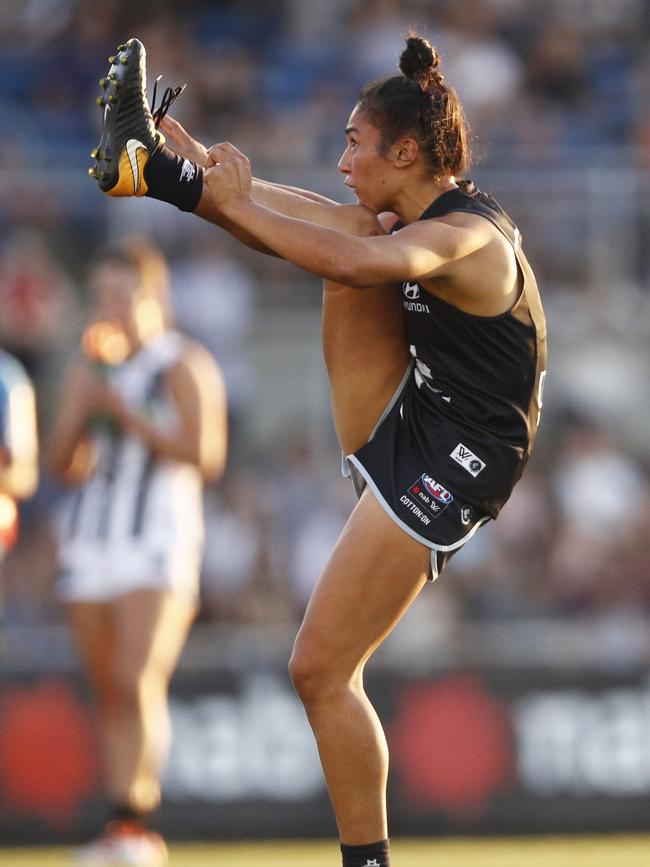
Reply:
x=126, y=813
x=368, y=855
x=173, y=179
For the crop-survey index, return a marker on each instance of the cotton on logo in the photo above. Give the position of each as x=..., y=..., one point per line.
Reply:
x=411, y=291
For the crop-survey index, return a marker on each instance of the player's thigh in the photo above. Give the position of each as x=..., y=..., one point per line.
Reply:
x=94, y=633
x=374, y=573
x=152, y=626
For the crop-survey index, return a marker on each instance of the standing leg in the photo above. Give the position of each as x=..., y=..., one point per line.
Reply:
x=130, y=647
x=151, y=627
x=94, y=633
x=374, y=574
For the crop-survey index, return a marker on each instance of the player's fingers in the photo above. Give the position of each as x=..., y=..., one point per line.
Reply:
x=171, y=126
x=218, y=156
x=229, y=149
x=181, y=142
x=213, y=155
x=176, y=136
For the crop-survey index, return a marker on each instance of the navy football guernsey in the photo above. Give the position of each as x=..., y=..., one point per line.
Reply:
x=457, y=434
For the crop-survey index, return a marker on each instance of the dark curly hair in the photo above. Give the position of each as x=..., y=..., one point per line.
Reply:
x=420, y=103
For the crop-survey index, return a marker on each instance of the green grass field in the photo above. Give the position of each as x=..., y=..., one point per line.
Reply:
x=595, y=851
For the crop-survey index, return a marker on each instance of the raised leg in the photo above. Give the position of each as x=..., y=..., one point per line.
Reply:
x=365, y=354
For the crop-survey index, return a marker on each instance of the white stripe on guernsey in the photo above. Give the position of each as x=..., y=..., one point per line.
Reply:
x=125, y=489
x=89, y=512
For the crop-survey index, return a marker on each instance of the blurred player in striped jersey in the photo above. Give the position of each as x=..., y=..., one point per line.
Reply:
x=142, y=424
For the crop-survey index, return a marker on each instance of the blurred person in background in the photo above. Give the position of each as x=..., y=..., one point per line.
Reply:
x=41, y=315
x=141, y=425
x=18, y=448
x=435, y=385
x=595, y=485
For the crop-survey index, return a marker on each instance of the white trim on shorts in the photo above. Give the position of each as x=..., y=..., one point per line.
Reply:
x=435, y=547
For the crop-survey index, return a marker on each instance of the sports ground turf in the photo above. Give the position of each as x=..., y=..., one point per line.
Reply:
x=603, y=851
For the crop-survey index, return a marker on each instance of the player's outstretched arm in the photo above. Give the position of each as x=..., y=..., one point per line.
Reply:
x=185, y=145
x=70, y=455
x=132, y=159
x=420, y=251
x=286, y=200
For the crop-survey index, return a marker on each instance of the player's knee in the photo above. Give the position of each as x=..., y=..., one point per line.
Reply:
x=316, y=676
x=358, y=220
x=126, y=686
x=307, y=673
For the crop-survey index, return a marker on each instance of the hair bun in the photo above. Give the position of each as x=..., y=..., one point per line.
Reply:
x=419, y=62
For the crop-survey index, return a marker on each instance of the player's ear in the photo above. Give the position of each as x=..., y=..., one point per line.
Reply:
x=404, y=152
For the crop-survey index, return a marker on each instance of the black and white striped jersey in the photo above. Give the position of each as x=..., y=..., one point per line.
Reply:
x=135, y=502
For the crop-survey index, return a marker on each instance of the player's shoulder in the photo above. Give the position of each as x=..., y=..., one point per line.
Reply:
x=195, y=359
x=469, y=221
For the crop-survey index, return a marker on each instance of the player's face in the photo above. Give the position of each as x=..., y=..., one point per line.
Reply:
x=367, y=171
x=116, y=290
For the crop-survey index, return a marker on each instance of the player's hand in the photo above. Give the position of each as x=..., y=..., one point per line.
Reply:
x=228, y=175
x=107, y=402
x=80, y=386
x=182, y=143
x=91, y=396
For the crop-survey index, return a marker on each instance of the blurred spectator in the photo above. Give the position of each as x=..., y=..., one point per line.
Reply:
x=241, y=582
x=214, y=300
x=602, y=498
x=40, y=312
x=18, y=449
x=479, y=62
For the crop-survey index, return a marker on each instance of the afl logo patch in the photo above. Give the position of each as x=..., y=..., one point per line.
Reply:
x=430, y=495
x=411, y=291
x=440, y=494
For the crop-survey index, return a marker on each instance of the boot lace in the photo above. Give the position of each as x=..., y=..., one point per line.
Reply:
x=170, y=95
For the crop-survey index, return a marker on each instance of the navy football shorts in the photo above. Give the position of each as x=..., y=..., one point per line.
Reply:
x=437, y=480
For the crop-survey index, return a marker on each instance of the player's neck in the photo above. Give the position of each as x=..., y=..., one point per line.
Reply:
x=415, y=199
